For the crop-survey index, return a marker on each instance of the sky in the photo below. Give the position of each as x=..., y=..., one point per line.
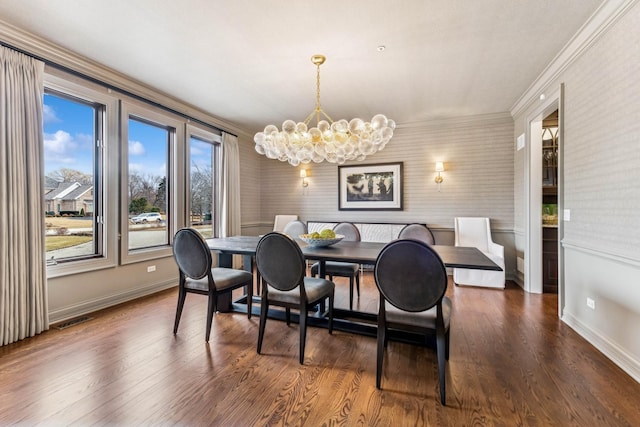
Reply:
x=69, y=136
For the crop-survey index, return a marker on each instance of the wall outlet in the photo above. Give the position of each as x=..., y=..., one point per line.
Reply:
x=591, y=303
x=151, y=268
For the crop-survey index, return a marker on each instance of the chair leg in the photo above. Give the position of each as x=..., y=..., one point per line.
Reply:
x=441, y=349
x=182, y=295
x=258, y=280
x=263, y=320
x=381, y=345
x=446, y=343
x=358, y=283
x=303, y=331
x=350, y=292
x=287, y=315
x=331, y=297
x=382, y=340
x=249, y=298
x=211, y=308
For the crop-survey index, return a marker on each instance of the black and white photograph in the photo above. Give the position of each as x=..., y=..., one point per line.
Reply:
x=370, y=187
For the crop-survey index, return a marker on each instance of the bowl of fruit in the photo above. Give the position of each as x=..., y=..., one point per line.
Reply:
x=326, y=237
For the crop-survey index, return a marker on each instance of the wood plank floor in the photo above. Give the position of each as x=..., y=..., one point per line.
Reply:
x=512, y=363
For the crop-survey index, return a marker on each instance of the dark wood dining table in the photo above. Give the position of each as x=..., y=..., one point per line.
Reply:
x=356, y=252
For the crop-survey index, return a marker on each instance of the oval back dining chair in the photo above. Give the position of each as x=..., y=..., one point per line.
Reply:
x=418, y=232
x=343, y=269
x=282, y=270
x=412, y=281
x=197, y=276
x=295, y=229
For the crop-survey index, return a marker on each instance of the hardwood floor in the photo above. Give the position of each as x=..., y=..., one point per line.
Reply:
x=512, y=363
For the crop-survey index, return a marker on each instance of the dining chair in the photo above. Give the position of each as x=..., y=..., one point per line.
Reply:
x=476, y=232
x=295, y=229
x=281, y=221
x=418, y=232
x=343, y=269
x=199, y=277
x=412, y=281
x=282, y=270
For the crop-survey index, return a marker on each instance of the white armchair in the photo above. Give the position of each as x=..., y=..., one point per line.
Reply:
x=476, y=232
x=281, y=222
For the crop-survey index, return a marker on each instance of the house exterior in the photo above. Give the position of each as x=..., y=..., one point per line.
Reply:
x=69, y=197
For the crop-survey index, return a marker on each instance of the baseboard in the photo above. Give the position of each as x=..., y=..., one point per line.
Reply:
x=614, y=352
x=87, y=307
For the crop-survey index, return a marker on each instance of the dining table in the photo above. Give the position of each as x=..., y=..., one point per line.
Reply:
x=364, y=253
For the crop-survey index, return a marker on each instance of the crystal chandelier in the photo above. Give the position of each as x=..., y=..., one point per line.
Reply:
x=335, y=142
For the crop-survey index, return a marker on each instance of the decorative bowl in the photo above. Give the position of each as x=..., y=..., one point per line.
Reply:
x=319, y=242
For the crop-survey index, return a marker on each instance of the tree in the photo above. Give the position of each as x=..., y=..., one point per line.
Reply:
x=138, y=205
x=71, y=175
x=149, y=187
x=161, y=194
x=201, y=190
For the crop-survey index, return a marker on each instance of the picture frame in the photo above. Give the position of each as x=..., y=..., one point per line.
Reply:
x=370, y=187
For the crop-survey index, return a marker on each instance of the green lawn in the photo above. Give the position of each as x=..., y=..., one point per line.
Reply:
x=61, y=242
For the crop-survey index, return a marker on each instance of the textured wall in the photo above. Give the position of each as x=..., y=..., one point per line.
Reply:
x=478, y=177
x=601, y=164
x=602, y=149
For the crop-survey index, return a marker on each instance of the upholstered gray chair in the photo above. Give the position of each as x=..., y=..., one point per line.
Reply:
x=418, y=232
x=197, y=276
x=343, y=269
x=295, y=229
x=282, y=269
x=412, y=281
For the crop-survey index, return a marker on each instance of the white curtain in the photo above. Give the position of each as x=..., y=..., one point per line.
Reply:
x=230, y=216
x=23, y=287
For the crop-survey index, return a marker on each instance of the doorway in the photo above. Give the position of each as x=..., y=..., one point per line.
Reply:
x=535, y=179
x=550, y=145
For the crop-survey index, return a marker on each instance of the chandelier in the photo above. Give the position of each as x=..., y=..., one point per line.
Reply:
x=335, y=142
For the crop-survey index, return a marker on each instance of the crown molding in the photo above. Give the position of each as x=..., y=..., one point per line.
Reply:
x=602, y=19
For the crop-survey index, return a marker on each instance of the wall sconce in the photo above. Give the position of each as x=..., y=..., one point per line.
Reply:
x=303, y=175
x=439, y=177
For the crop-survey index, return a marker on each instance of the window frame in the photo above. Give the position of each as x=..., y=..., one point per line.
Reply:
x=175, y=168
x=105, y=165
x=215, y=139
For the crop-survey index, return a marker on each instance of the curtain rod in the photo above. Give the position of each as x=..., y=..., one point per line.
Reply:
x=112, y=87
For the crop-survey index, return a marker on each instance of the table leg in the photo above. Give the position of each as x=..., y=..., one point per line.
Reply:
x=226, y=260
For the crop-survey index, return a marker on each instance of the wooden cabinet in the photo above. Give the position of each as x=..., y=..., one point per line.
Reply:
x=550, y=145
x=550, y=160
x=550, y=259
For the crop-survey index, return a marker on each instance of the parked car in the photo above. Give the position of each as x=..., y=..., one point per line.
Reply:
x=144, y=218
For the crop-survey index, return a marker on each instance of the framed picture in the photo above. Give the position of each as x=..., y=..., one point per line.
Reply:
x=370, y=187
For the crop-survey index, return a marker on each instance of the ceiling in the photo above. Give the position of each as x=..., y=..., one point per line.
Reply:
x=248, y=62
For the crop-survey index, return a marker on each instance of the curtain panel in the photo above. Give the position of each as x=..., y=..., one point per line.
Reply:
x=230, y=215
x=23, y=290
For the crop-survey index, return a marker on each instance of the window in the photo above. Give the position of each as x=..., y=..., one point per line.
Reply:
x=147, y=184
x=152, y=152
x=73, y=130
x=76, y=121
x=203, y=172
x=122, y=176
